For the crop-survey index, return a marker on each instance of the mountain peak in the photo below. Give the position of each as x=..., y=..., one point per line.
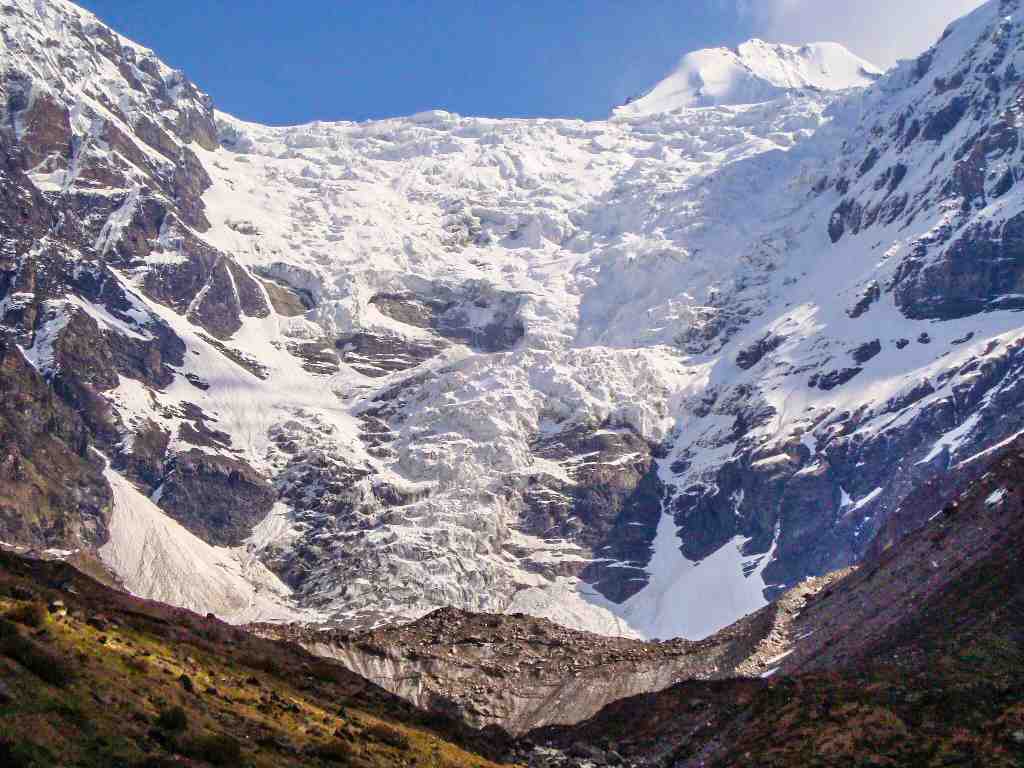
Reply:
x=755, y=71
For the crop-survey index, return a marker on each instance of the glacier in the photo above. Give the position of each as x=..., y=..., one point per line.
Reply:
x=467, y=325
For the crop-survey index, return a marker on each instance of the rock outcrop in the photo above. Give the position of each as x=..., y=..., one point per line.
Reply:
x=217, y=498
x=521, y=673
x=52, y=491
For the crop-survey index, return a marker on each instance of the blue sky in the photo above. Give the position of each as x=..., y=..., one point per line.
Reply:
x=297, y=60
x=290, y=61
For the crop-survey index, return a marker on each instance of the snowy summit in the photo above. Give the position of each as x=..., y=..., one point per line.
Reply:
x=755, y=72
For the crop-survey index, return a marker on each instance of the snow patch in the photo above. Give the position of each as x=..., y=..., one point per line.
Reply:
x=158, y=559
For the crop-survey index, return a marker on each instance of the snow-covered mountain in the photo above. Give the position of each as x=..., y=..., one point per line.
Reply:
x=754, y=72
x=631, y=375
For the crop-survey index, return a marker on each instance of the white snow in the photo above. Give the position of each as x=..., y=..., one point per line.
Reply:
x=693, y=599
x=41, y=353
x=158, y=559
x=996, y=498
x=853, y=506
x=754, y=72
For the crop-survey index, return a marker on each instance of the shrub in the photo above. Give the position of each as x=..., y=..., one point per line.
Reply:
x=21, y=592
x=30, y=614
x=137, y=664
x=40, y=661
x=335, y=752
x=7, y=629
x=329, y=672
x=173, y=719
x=262, y=663
x=8, y=756
x=158, y=762
x=24, y=754
x=215, y=749
x=385, y=734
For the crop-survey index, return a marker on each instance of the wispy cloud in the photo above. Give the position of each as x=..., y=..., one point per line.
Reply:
x=881, y=31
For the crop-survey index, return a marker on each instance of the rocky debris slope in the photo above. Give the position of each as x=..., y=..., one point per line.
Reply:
x=520, y=672
x=913, y=659
x=587, y=371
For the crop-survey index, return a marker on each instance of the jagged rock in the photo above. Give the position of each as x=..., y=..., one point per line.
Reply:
x=216, y=497
x=977, y=272
x=376, y=356
x=751, y=356
x=52, y=491
x=588, y=752
x=611, y=508
x=455, y=314
x=866, y=352
x=518, y=672
x=148, y=455
x=833, y=379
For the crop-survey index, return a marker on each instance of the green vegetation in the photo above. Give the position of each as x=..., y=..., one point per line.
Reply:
x=103, y=683
x=173, y=719
x=215, y=749
x=40, y=661
x=32, y=614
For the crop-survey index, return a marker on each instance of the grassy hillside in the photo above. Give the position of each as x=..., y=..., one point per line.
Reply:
x=92, y=677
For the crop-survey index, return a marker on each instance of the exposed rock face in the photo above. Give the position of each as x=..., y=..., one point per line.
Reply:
x=982, y=269
x=217, y=498
x=52, y=491
x=101, y=201
x=475, y=314
x=146, y=461
x=210, y=289
x=755, y=353
x=938, y=146
x=377, y=356
x=608, y=505
x=949, y=136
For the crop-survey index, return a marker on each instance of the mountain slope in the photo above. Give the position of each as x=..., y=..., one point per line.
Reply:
x=914, y=659
x=519, y=673
x=595, y=372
